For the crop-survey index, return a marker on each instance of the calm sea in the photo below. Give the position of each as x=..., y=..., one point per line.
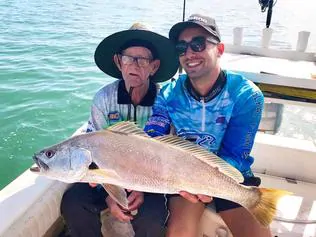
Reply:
x=48, y=76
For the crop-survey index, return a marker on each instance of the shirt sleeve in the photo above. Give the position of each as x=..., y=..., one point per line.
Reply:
x=159, y=122
x=240, y=134
x=98, y=119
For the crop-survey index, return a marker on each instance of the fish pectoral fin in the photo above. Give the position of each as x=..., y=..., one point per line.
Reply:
x=128, y=128
x=102, y=174
x=117, y=193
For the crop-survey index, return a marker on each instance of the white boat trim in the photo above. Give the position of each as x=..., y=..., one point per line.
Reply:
x=271, y=53
x=29, y=205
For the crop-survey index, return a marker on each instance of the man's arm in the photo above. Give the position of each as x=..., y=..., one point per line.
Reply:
x=240, y=134
x=98, y=118
x=159, y=122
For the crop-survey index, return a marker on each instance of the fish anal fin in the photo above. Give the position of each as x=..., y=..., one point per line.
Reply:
x=117, y=193
x=203, y=155
x=128, y=128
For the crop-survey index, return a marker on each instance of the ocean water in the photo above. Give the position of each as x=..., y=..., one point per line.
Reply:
x=48, y=75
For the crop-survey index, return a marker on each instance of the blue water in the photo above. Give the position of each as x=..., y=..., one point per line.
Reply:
x=48, y=75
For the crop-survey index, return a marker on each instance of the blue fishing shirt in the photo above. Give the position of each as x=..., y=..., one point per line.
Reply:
x=225, y=125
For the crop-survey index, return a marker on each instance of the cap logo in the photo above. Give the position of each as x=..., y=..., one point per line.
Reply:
x=197, y=18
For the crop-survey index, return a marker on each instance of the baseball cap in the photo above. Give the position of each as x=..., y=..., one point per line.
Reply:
x=205, y=22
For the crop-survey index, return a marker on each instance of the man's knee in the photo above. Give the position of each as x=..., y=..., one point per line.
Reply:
x=69, y=202
x=176, y=230
x=182, y=227
x=184, y=217
x=148, y=227
x=150, y=223
x=75, y=199
x=151, y=217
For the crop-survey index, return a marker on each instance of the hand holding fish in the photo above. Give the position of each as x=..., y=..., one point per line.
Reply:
x=135, y=200
x=117, y=211
x=195, y=198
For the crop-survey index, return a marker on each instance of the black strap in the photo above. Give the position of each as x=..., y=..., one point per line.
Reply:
x=214, y=91
x=129, y=105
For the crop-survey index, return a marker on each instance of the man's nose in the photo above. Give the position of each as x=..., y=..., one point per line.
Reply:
x=189, y=53
x=135, y=63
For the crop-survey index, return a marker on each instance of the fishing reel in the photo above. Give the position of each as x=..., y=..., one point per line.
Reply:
x=264, y=4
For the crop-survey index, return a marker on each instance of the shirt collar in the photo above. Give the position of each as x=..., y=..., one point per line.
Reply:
x=124, y=98
x=214, y=91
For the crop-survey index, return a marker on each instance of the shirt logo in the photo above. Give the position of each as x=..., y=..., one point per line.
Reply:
x=221, y=120
x=114, y=116
x=203, y=139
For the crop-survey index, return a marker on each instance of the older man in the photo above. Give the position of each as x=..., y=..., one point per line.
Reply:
x=139, y=58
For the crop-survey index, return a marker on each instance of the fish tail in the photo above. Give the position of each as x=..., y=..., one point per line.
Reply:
x=265, y=209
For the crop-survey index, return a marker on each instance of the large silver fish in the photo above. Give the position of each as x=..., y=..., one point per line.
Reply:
x=125, y=157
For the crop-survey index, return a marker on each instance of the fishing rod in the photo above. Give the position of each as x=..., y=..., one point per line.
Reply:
x=267, y=4
x=183, y=18
x=183, y=10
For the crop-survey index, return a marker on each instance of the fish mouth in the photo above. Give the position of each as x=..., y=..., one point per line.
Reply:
x=35, y=169
x=40, y=165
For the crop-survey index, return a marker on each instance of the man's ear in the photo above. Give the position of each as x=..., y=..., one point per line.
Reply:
x=155, y=66
x=220, y=49
x=117, y=62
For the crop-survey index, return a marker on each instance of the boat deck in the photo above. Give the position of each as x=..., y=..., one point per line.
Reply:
x=298, y=73
x=277, y=77
x=296, y=216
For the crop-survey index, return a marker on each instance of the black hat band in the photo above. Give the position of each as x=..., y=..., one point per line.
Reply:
x=140, y=43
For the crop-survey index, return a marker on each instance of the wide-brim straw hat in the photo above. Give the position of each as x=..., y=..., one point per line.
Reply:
x=163, y=47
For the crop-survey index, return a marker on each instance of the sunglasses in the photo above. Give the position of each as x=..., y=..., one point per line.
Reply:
x=197, y=44
x=141, y=61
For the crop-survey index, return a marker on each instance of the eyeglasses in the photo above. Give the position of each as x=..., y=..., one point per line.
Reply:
x=197, y=44
x=141, y=61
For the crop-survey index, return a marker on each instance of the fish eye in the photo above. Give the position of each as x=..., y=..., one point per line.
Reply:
x=50, y=153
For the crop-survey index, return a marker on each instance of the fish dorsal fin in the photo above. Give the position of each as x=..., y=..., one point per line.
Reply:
x=203, y=155
x=128, y=128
